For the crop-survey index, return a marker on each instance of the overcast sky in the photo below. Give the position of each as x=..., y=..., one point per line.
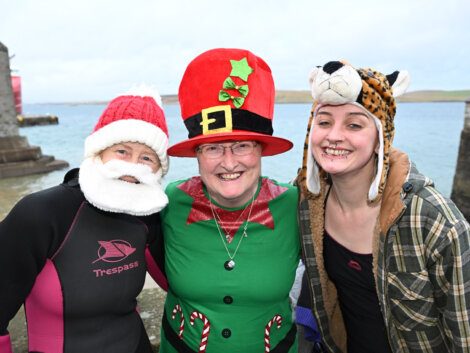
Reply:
x=96, y=49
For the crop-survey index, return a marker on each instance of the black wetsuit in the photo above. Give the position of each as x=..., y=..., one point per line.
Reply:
x=78, y=270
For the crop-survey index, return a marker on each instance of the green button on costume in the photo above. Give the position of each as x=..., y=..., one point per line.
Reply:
x=216, y=309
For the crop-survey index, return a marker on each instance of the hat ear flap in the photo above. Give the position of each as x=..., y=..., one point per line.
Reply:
x=313, y=75
x=399, y=80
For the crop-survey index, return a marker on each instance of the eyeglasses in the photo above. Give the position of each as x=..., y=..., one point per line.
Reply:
x=213, y=151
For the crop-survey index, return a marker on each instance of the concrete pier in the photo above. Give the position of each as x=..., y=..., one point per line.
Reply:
x=17, y=157
x=37, y=120
x=461, y=187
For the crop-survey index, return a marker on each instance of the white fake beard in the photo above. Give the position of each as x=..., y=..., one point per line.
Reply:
x=102, y=187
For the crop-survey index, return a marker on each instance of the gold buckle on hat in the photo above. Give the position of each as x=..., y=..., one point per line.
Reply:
x=206, y=121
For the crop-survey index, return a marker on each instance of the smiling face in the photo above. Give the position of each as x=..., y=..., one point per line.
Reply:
x=132, y=152
x=344, y=140
x=124, y=178
x=231, y=179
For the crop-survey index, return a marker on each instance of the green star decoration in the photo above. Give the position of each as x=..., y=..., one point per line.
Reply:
x=241, y=69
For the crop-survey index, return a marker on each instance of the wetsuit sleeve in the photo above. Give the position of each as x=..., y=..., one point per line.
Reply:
x=30, y=233
x=5, y=344
x=154, y=254
x=24, y=244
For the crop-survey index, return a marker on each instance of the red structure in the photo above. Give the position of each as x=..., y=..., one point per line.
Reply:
x=16, y=84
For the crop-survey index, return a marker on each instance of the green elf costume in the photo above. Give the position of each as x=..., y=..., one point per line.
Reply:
x=229, y=270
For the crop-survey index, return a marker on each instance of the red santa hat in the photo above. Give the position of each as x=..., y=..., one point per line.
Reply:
x=136, y=116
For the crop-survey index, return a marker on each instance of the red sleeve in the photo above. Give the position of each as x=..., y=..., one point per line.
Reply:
x=154, y=270
x=155, y=252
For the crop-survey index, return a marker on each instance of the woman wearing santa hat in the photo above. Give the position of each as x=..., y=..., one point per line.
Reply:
x=76, y=254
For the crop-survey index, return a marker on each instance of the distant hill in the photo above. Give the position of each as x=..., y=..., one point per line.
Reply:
x=285, y=96
x=436, y=96
x=293, y=97
x=415, y=96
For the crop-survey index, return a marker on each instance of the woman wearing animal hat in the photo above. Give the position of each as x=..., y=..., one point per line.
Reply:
x=76, y=254
x=231, y=235
x=386, y=254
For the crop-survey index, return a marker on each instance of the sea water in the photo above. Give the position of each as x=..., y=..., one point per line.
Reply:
x=428, y=132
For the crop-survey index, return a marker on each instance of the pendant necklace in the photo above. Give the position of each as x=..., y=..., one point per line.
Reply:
x=230, y=264
x=229, y=236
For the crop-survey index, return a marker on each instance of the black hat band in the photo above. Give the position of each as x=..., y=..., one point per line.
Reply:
x=223, y=118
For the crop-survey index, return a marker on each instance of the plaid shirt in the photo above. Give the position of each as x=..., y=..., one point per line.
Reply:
x=421, y=255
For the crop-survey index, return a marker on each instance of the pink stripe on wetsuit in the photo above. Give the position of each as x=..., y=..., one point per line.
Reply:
x=44, y=312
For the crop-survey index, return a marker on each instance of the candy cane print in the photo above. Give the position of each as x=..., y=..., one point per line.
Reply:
x=205, y=330
x=177, y=309
x=267, y=331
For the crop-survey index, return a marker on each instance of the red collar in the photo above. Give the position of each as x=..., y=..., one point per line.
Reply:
x=201, y=210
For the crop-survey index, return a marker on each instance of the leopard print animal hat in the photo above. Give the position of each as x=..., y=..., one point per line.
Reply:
x=339, y=83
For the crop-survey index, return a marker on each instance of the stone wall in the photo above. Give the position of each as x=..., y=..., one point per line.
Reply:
x=8, y=122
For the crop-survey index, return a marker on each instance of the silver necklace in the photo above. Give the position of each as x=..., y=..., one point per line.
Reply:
x=230, y=264
x=229, y=236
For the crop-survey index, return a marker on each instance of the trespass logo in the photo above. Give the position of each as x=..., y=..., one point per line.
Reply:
x=114, y=250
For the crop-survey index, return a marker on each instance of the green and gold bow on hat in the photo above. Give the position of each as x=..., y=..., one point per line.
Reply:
x=225, y=96
x=229, y=84
x=237, y=101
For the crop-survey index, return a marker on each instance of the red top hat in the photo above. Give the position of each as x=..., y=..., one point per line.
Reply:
x=228, y=94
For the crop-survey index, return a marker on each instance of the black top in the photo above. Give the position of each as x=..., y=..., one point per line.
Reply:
x=354, y=280
x=77, y=269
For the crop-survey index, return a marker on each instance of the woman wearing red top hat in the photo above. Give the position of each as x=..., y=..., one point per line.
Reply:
x=231, y=235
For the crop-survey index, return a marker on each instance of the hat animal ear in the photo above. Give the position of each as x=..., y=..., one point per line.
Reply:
x=399, y=80
x=313, y=75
